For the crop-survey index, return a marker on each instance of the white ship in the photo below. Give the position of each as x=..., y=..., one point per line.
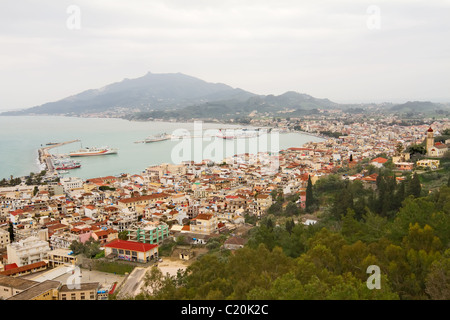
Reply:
x=159, y=137
x=94, y=151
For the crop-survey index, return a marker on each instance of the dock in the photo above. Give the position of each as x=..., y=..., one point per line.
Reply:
x=46, y=158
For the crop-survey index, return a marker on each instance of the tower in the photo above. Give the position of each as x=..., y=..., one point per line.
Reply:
x=430, y=140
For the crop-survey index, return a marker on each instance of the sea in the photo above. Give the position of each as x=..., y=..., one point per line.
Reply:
x=22, y=136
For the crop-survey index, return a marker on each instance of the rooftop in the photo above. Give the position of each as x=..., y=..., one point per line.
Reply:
x=131, y=245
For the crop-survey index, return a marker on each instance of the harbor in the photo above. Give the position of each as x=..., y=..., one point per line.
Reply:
x=59, y=164
x=27, y=135
x=47, y=159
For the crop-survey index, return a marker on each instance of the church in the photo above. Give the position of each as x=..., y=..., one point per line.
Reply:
x=437, y=149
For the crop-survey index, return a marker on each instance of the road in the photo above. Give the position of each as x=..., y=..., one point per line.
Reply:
x=132, y=285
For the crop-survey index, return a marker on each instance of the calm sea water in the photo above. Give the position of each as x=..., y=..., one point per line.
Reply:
x=21, y=137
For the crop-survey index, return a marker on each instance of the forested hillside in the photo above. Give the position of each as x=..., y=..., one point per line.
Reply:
x=393, y=226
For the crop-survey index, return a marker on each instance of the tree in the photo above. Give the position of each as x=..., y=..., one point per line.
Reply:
x=11, y=232
x=415, y=189
x=276, y=208
x=399, y=148
x=437, y=284
x=343, y=200
x=290, y=224
x=309, y=202
x=291, y=209
x=123, y=235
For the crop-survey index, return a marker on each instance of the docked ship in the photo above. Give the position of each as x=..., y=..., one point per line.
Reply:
x=66, y=164
x=156, y=138
x=238, y=134
x=94, y=151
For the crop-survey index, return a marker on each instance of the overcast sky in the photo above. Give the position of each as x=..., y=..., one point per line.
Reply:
x=347, y=51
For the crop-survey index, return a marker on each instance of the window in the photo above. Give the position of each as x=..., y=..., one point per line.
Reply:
x=127, y=252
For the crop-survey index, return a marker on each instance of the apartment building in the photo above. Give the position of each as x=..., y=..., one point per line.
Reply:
x=204, y=223
x=27, y=251
x=131, y=203
x=149, y=233
x=85, y=291
x=4, y=238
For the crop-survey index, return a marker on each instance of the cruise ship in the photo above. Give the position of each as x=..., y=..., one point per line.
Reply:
x=159, y=137
x=94, y=151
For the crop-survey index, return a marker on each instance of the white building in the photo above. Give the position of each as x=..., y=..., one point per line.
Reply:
x=27, y=251
x=71, y=183
x=4, y=238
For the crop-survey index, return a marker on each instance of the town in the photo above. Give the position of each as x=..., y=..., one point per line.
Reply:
x=134, y=218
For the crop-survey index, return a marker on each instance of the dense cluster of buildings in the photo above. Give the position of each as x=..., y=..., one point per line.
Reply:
x=194, y=200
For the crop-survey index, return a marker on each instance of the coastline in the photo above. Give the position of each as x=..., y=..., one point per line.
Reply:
x=41, y=158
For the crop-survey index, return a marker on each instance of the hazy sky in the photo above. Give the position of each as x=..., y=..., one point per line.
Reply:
x=347, y=51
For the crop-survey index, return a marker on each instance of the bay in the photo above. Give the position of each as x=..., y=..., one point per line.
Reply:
x=22, y=136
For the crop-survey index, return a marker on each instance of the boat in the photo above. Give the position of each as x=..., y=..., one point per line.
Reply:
x=156, y=138
x=226, y=137
x=63, y=172
x=239, y=134
x=94, y=151
x=66, y=164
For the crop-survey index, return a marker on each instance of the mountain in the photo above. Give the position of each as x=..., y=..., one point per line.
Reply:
x=418, y=106
x=289, y=103
x=176, y=95
x=150, y=92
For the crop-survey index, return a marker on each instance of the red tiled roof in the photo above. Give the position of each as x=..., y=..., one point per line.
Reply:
x=131, y=245
x=24, y=268
x=10, y=266
x=203, y=216
x=144, y=198
x=379, y=160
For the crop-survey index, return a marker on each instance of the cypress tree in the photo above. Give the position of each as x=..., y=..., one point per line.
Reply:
x=309, y=196
x=415, y=188
x=400, y=195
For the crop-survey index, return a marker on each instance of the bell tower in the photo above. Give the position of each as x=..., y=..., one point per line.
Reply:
x=430, y=140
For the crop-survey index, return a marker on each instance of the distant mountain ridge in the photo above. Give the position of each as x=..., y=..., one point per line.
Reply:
x=176, y=95
x=150, y=92
x=418, y=106
x=168, y=92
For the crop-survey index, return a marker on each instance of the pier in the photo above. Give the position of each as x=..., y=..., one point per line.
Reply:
x=46, y=158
